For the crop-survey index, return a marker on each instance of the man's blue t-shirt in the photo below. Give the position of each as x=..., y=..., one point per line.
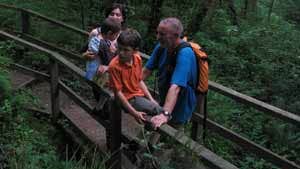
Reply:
x=184, y=75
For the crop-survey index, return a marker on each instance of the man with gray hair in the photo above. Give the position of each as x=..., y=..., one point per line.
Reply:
x=177, y=74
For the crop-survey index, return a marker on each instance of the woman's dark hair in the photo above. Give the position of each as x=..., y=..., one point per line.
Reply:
x=114, y=6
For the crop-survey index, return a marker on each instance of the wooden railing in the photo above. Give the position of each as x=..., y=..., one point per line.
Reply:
x=197, y=118
x=56, y=85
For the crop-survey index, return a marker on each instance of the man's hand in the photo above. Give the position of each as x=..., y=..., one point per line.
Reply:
x=140, y=116
x=159, y=120
x=102, y=69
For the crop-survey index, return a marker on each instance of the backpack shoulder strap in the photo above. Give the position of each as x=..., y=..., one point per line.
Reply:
x=182, y=45
x=176, y=51
x=158, y=54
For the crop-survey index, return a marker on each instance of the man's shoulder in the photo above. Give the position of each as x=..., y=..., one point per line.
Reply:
x=185, y=56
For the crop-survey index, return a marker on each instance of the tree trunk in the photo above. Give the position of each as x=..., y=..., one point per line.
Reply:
x=250, y=6
x=244, y=9
x=155, y=16
x=212, y=5
x=271, y=9
x=232, y=12
x=205, y=9
x=82, y=15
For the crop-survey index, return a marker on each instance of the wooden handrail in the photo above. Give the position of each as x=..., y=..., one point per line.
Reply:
x=52, y=47
x=259, y=105
x=9, y=7
x=43, y=17
x=56, y=22
x=246, y=144
x=212, y=159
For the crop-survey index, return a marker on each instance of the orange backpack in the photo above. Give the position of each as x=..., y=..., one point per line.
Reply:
x=203, y=71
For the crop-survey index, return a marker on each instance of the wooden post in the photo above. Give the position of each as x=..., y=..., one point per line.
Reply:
x=115, y=139
x=25, y=23
x=54, y=89
x=194, y=130
x=199, y=110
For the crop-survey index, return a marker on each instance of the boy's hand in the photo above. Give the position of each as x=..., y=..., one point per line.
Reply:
x=102, y=69
x=140, y=116
x=88, y=55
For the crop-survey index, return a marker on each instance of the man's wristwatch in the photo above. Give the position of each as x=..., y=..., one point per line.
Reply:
x=167, y=114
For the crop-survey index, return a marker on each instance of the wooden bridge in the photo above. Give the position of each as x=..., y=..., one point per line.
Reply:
x=80, y=112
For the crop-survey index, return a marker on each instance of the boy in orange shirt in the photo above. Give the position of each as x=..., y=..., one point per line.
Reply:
x=125, y=72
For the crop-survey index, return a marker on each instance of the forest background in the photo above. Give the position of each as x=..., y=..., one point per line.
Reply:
x=253, y=48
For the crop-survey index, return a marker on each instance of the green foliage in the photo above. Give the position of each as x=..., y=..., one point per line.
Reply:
x=259, y=58
x=27, y=140
x=251, y=162
x=5, y=85
x=7, y=18
x=36, y=60
x=250, y=52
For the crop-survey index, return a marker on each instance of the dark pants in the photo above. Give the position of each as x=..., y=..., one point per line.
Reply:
x=145, y=105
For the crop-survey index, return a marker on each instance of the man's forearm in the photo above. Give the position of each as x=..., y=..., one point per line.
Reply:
x=171, y=98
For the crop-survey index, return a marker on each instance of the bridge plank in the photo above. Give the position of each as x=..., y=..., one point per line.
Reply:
x=20, y=80
x=93, y=130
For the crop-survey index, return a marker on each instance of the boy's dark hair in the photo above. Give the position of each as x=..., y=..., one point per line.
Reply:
x=114, y=6
x=110, y=25
x=130, y=37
